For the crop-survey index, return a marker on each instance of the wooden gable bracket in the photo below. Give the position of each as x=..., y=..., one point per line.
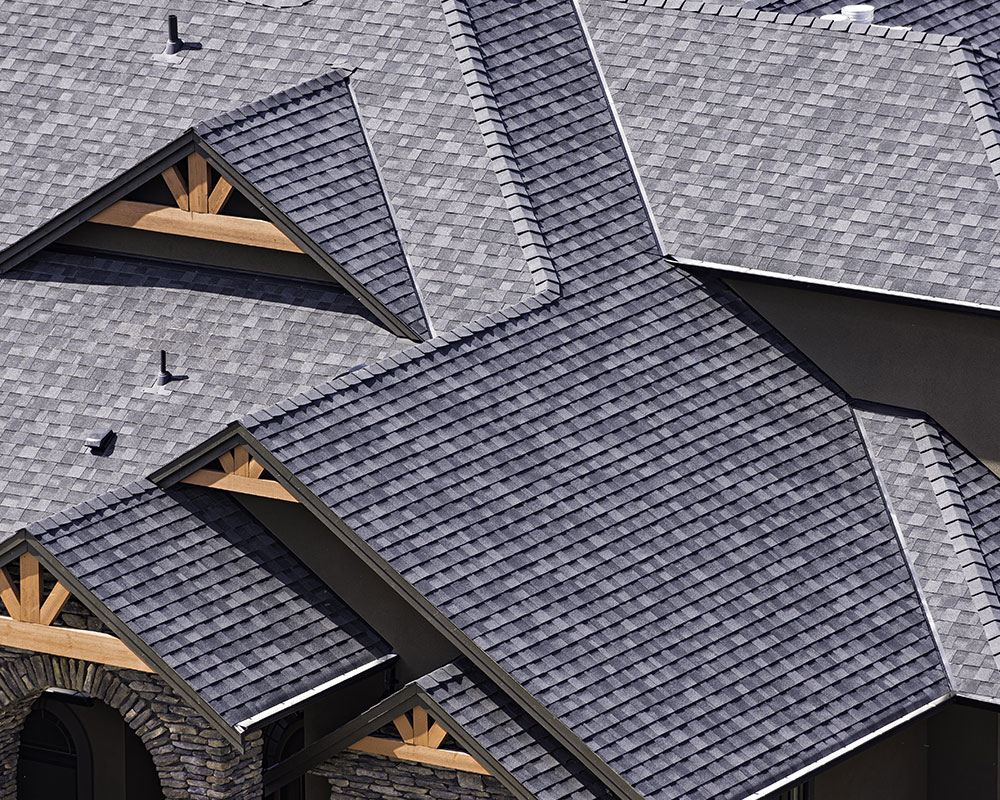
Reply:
x=421, y=741
x=240, y=473
x=197, y=213
x=29, y=624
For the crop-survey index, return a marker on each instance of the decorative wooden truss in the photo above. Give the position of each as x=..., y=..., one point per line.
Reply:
x=240, y=473
x=197, y=213
x=29, y=626
x=421, y=742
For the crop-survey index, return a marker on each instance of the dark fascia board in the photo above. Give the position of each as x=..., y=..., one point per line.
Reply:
x=23, y=542
x=305, y=242
x=724, y=271
x=84, y=210
x=452, y=633
x=371, y=720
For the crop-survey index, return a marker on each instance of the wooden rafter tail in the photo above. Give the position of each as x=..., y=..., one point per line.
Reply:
x=178, y=188
x=197, y=183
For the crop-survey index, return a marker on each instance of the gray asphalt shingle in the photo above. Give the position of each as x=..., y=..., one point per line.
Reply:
x=79, y=350
x=83, y=99
x=215, y=595
x=305, y=150
x=856, y=156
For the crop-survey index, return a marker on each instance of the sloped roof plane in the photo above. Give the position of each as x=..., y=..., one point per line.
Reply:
x=853, y=155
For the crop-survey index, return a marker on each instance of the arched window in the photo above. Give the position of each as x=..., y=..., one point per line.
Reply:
x=54, y=758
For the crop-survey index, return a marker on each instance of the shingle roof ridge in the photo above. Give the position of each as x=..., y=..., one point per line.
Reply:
x=955, y=514
x=360, y=374
x=498, y=144
x=982, y=103
x=97, y=504
x=802, y=21
x=298, y=91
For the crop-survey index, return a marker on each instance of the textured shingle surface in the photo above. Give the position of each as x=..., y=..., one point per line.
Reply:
x=215, y=595
x=522, y=746
x=638, y=499
x=974, y=20
x=827, y=154
x=79, y=349
x=941, y=542
x=305, y=150
x=82, y=100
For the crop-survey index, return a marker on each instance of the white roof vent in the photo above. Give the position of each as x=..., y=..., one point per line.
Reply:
x=853, y=14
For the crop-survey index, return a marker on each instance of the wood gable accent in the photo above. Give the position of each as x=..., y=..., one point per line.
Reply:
x=242, y=473
x=29, y=624
x=420, y=741
x=198, y=212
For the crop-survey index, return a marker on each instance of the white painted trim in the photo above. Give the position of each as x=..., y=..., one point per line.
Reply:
x=241, y=727
x=795, y=777
x=878, y=294
x=621, y=128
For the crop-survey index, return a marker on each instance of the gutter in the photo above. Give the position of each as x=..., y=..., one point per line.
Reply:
x=795, y=777
x=288, y=705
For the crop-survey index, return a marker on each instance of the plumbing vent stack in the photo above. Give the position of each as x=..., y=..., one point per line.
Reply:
x=174, y=43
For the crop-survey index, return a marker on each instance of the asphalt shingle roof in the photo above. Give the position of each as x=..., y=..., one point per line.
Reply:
x=79, y=350
x=83, y=99
x=926, y=497
x=522, y=746
x=785, y=146
x=215, y=595
x=305, y=150
x=637, y=499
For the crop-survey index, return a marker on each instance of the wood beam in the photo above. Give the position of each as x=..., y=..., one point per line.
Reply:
x=197, y=183
x=215, y=227
x=239, y=483
x=178, y=188
x=69, y=643
x=420, y=725
x=419, y=754
x=404, y=727
x=53, y=604
x=9, y=595
x=435, y=735
x=220, y=194
x=31, y=588
x=241, y=461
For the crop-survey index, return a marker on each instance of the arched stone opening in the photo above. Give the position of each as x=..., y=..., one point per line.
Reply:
x=168, y=728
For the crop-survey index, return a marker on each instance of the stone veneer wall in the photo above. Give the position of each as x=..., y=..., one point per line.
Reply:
x=370, y=777
x=191, y=758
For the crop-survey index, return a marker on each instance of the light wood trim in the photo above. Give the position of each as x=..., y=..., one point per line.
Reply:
x=175, y=183
x=255, y=469
x=241, y=461
x=215, y=227
x=435, y=735
x=404, y=727
x=228, y=462
x=220, y=194
x=53, y=604
x=420, y=754
x=9, y=595
x=69, y=643
x=420, y=726
x=239, y=483
x=197, y=183
x=31, y=588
